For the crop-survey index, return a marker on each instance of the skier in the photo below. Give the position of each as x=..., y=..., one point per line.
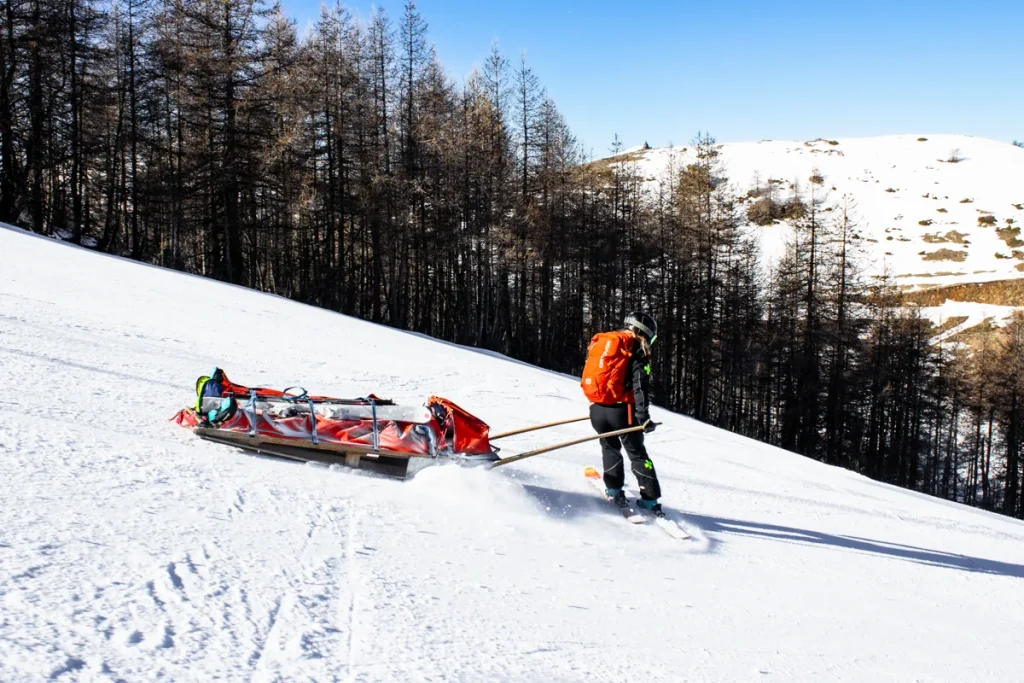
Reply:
x=616, y=380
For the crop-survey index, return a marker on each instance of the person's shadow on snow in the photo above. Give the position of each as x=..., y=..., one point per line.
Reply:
x=571, y=504
x=717, y=527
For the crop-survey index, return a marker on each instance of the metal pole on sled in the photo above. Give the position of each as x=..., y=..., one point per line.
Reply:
x=566, y=444
x=536, y=427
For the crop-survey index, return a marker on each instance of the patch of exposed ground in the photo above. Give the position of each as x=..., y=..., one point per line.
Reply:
x=950, y=323
x=946, y=255
x=1011, y=236
x=941, y=273
x=997, y=292
x=951, y=236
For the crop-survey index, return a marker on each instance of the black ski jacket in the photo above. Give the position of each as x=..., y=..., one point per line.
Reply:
x=638, y=378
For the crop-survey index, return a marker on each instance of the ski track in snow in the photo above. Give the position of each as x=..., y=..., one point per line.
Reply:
x=129, y=550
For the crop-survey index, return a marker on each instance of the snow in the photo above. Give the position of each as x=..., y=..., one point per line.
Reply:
x=974, y=314
x=888, y=223
x=130, y=550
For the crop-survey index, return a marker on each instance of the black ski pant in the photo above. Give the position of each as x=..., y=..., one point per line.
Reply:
x=612, y=418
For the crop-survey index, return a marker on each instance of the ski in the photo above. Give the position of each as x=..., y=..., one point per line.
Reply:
x=629, y=512
x=671, y=527
x=636, y=513
x=667, y=525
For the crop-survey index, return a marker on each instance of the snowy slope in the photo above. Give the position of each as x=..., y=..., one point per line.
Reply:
x=894, y=184
x=131, y=551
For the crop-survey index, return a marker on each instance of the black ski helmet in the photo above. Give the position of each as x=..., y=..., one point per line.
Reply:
x=643, y=324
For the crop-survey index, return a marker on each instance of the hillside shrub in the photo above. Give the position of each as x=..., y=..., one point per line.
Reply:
x=764, y=212
x=794, y=209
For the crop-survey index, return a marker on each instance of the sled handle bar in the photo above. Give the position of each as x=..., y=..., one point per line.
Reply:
x=566, y=444
x=513, y=432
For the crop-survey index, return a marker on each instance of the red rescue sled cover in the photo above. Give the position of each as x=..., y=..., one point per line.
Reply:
x=368, y=424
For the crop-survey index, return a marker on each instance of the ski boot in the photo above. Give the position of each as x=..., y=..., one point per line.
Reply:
x=617, y=496
x=652, y=506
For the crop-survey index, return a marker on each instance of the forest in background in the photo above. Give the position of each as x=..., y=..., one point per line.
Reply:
x=344, y=168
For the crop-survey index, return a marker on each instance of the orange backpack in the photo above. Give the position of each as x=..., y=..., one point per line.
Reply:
x=604, y=375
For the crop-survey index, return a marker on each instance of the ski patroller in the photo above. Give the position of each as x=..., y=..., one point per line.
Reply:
x=637, y=514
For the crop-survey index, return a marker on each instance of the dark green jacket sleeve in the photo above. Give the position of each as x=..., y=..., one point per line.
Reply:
x=640, y=373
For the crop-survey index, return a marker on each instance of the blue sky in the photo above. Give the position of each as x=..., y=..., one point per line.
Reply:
x=660, y=71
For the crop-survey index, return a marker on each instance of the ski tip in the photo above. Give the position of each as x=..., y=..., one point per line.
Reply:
x=591, y=473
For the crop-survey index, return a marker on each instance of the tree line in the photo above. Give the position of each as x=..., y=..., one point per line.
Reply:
x=344, y=168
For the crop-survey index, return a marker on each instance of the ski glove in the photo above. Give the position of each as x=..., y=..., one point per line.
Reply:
x=650, y=427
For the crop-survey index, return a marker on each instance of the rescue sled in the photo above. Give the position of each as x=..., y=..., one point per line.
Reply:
x=369, y=432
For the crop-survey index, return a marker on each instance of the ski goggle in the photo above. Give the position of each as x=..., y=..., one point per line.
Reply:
x=640, y=327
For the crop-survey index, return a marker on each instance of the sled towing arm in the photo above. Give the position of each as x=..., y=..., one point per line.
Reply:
x=566, y=444
x=536, y=427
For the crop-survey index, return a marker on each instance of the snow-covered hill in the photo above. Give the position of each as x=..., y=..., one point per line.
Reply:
x=922, y=217
x=130, y=550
